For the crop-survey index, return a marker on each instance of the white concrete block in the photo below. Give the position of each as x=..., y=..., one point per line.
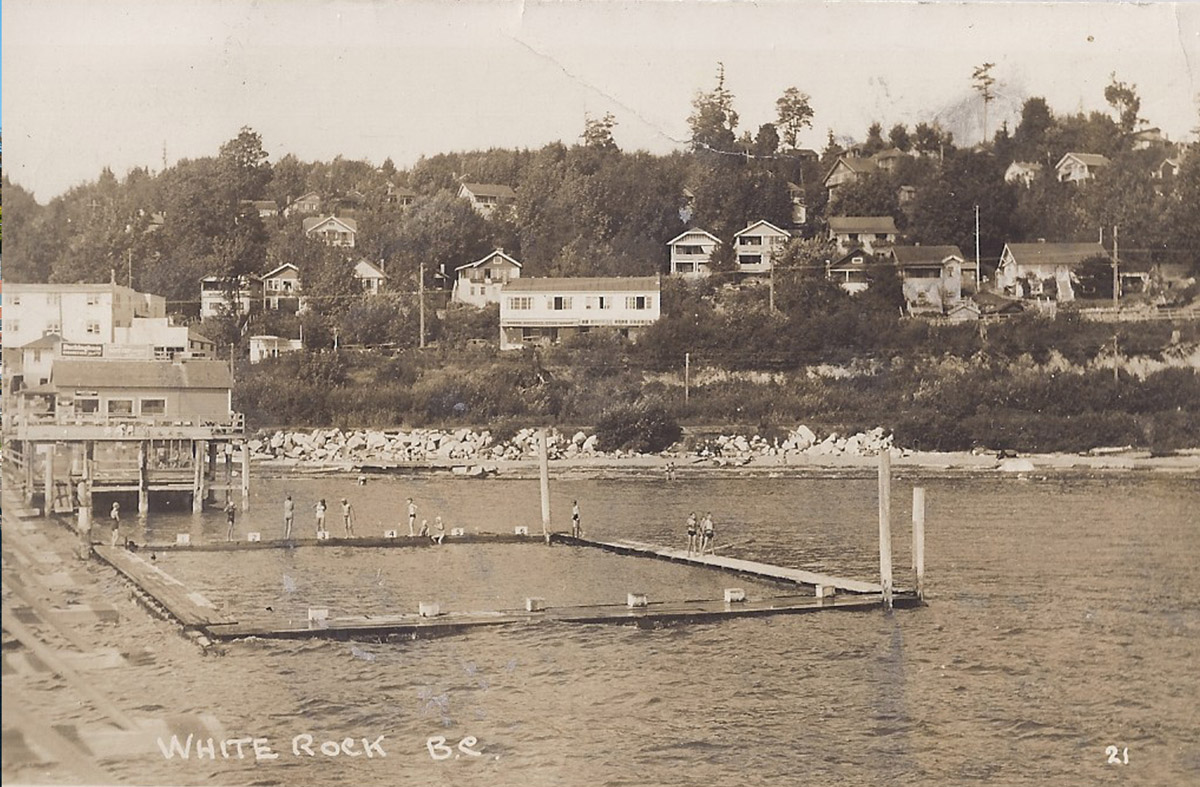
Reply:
x=637, y=600
x=535, y=604
x=734, y=595
x=183, y=539
x=429, y=609
x=322, y=535
x=317, y=616
x=521, y=530
x=826, y=591
x=254, y=536
x=457, y=531
x=389, y=534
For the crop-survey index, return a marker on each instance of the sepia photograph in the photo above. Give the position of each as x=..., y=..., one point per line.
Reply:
x=648, y=392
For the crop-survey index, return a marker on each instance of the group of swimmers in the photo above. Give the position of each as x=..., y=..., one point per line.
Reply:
x=289, y=516
x=700, y=534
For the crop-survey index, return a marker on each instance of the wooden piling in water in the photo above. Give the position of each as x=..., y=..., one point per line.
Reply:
x=885, y=525
x=199, y=455
x=245, y=477
x=918, y=536
x=48, y=481
x=143, y=481
x=544, y=473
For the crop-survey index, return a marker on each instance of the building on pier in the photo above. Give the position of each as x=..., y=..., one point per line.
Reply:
x=126, y=426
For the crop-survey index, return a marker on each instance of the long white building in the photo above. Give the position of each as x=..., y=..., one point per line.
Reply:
x=545, y=311
x=89, y=313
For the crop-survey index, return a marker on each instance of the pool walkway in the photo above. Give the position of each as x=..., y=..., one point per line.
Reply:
x=202, y=619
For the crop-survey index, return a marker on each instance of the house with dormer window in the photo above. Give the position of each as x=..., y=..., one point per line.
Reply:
x=333, y=230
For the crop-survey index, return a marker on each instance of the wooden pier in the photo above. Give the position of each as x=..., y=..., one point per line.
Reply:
x=198, y=615
x=736, y=565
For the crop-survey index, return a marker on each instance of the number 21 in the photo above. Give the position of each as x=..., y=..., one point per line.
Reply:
x=1117, y=756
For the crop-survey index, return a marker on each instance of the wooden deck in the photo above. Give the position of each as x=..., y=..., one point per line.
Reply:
x=747, y=567
x=374, y=542
x=196, y=613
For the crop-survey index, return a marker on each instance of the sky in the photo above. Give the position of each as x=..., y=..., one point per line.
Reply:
x=90, y=84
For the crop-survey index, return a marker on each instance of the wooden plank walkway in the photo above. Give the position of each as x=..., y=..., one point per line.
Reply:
x=412, y=625
x=404, y=540
x=191, y=609
x=749, y=567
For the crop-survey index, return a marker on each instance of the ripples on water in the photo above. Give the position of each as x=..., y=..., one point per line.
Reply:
x=1064, y=617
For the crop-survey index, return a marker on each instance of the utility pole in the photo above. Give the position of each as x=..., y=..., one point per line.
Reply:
x=129, y=269
x=1116, y=275
x=771, y=281
x=687, y=376
x=421, y=298
x=977, y=268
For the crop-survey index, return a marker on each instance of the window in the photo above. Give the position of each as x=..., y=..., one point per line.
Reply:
x=684, y=249
x=52, y=327
x=120, y=407
x=749, y=259
x=560, y=303
x=13, y=325
x=37, y=356
x=154, y=407
x=16, y=300
x=520, y=303
x=750, y=240
x=93, y=299
x=857, y=260
x=589, y=302
x=685, y=267
x=881, y=236
x=606, y=301
x=89, y=405
x=93, y=328
x=638, y=302
x=853, y=236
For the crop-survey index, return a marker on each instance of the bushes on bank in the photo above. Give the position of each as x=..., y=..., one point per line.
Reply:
x=646, y=427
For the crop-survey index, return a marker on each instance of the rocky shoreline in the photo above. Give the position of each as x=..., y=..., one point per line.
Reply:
x=474, y=453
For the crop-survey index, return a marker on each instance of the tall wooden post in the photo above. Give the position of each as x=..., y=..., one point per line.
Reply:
x=29, y=456
x=544, y=467
x=918, y=537
x=687, y=377
x=48, y=480
x=210, y=471
x=143, y=481
x=885, y=525
x=199, y=455
x=421, y=299
x=245, y=476
x=228, y=448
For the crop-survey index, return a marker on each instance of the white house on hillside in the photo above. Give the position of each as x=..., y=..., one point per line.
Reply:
x=757, y=245
x=691, y=251
x=1078, y=167
x=370, y=276
x=488, y=198
x=303, y=205
x=334, y=230
x=1026, y=269
x=935, y=277
x=545, y=311
x=872, y=233
x=268, y=346
x=215, y=295
x=479, y=283
x=1022, y=172
x=281, y=289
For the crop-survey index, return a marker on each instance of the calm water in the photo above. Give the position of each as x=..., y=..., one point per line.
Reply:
x=1064, y=617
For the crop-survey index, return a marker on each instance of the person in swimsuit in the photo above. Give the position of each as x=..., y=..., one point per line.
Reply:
x=691, y=533
x=348, y=517
x=706, y=541
x=412, y=517
x=576, y=530
x=439, y=531
x=289, y=514
x=115, y=515
x=230, y=517
x=424, y=527
x=320, y=509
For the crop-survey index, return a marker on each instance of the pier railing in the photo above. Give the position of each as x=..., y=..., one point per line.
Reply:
x=89, y=426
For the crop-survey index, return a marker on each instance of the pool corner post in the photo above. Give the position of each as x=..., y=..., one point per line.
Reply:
x=885, y=525
x=544, y=472
x=918, y=536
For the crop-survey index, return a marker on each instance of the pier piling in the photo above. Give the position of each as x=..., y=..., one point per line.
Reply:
x=544, y=472
x=885, y=525
x=918, y=537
